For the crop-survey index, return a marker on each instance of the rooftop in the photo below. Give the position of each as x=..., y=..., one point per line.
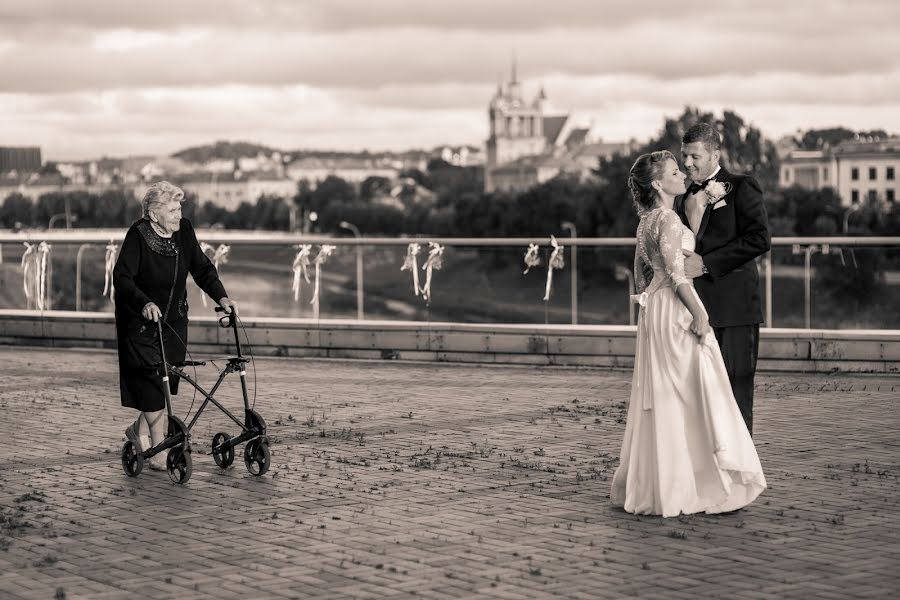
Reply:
x=401, y=480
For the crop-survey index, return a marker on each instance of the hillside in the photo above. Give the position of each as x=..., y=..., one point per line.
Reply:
x=233, y=150
x=222, y=150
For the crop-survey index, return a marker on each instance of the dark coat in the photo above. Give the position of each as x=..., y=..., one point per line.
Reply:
x=729, y=239
x=151, y=268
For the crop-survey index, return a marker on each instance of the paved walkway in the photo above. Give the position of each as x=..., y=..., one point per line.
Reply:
x=396, y=480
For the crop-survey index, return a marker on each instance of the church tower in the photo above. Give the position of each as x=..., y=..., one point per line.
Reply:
x=516, y=126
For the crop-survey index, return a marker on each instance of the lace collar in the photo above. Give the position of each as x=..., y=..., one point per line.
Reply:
x=157, y=243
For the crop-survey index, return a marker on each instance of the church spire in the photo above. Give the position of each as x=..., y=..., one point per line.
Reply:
x=514, y=89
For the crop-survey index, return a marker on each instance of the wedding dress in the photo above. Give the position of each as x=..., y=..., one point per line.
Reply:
x=686, y=448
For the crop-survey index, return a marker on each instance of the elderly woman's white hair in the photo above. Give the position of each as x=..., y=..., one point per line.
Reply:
x=159, y=194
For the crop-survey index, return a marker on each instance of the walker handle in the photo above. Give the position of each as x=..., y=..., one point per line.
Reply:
x=226, y=320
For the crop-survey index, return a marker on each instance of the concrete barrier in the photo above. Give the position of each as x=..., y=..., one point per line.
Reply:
x=582, y=345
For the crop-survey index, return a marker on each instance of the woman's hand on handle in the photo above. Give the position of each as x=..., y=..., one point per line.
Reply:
x=228, y=305
x=151, y=312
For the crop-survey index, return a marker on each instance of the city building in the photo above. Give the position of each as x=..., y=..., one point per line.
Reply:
x=461, y=156
x=229, y=190
x=20, y=159
x=809, y=169
x=865, y=170
x=528, y=144
x=353, y=169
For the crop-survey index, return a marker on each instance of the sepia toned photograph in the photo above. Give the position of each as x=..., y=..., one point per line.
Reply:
x=397, y=300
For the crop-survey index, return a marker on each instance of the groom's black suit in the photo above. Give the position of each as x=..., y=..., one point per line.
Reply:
x=729, y=239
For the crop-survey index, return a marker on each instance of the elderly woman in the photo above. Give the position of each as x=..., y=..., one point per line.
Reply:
x=150, y=279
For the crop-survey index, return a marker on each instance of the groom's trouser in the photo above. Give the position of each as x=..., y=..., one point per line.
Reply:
x=740, y=347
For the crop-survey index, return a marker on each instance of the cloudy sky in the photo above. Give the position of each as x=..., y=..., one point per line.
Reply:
x=127, y=77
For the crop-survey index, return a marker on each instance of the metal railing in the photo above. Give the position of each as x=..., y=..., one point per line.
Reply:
x=806, y=246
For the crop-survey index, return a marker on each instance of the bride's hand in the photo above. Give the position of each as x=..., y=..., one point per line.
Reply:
x=700, y=326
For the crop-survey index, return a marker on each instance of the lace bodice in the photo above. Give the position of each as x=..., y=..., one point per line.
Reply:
x=661, y=237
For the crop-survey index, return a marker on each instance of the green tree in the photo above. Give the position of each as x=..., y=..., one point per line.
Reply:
x=374, y=186
x=332, y=189
x=16, y=209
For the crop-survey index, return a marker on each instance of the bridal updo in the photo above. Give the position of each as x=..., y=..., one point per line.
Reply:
x=647, y=169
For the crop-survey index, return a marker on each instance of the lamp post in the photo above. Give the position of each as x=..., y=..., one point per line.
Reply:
x=570, y=227
x=850, y=210
x=359, y=268
x=68, y=216
x=53, y=219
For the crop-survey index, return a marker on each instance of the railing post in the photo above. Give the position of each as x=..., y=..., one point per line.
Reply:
x=768, y=261
x=359, y=268
x=359, y=283
x=81, y=250
x=623, y=273
x=574, y=279
x=807, y=252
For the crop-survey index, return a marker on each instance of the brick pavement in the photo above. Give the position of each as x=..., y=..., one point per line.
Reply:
x=400, y=480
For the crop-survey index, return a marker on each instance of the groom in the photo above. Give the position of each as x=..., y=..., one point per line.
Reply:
x=729, y=221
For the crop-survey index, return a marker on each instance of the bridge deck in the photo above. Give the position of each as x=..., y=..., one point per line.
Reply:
x=402, y=480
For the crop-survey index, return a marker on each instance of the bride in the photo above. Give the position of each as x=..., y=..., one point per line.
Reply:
x=686, y=448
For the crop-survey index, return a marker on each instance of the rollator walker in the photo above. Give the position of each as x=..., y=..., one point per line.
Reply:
x=257, y=456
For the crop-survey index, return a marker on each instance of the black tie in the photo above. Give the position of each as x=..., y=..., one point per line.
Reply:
x=696, y=187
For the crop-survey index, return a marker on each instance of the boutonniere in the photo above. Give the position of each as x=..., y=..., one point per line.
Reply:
x=715, y=191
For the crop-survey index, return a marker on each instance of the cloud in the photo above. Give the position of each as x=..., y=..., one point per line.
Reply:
x=162, y=121
x=798, y=17
x=400, y=73
x=370, y=59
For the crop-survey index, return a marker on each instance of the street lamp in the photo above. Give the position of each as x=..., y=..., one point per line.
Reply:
x=69, y=220
x=570, y=227
x=850, y=210
x=359, y=268
x=310, y=218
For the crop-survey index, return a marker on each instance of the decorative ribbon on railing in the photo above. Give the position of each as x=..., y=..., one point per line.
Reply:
x=35, y=261
x=43, y=283
x=217, y=256
x=220, y=257
x=556, y=262
x=207, y=249
x=111, y=249
x=325, y=251
x=411, y=264
x=531, y=258
x=433, y=262
x=300, y=268
x=27, y=268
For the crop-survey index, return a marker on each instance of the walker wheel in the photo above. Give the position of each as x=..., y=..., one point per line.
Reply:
x=132, y=461
x=257, y=457
x=223, y=457
x=178, y=465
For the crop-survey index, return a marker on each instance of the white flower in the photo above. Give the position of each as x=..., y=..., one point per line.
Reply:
x=716, y=190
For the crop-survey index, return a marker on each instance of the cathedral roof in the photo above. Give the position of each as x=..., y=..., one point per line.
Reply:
x=553, y=126
x=576, y=138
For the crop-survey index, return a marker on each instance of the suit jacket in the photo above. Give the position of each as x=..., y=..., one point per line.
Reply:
x=729, y=239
